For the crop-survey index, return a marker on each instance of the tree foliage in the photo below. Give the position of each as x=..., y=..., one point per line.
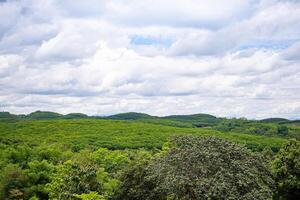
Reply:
x=13, y=182
x=90, y=196
x=93, y=158
x=286, y=169
x=201, y=168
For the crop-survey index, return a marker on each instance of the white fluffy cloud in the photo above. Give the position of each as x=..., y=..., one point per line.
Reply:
x=238, y=58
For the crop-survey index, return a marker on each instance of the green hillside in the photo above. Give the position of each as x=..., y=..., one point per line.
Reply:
x=41, y=115
x=75, y=116
x=275, y=120
x=95, y=133
x=130, y=116
x=188, y=121
x=267, y=127
x=198, y=120
x=7, y=115
x=44, y=115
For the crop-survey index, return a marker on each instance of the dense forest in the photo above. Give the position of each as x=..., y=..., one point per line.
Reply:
x=47, y=155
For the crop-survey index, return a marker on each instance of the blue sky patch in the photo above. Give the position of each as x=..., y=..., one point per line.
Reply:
x=148, y=40
x=268, y=44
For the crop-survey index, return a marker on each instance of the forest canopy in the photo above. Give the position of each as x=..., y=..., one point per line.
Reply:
x=82, y=157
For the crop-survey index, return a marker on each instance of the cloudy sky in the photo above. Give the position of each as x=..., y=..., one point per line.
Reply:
x=234, y=58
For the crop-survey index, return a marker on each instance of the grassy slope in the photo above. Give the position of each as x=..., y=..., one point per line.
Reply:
x=97, y=133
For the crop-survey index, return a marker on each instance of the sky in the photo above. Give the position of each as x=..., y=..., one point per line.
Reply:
x=233, y=58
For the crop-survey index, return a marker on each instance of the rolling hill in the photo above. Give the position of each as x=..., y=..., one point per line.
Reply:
x=275, y=120
x=95, y=133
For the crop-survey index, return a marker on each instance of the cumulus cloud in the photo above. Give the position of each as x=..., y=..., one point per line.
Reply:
x=191, y=13
x=238, y=58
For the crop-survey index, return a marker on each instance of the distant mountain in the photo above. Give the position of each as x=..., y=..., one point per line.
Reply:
x=41, y=115
x=75, y=116
x=44, y=115
x=187, y=121
x=52, y=115
x=275, y=120
x=130, y=116
x=291, y=122
x=281, y=121
x=7, y=115
x=198, y=120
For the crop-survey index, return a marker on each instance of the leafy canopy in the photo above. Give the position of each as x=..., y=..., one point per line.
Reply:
x=286, y=169
x=201, y=168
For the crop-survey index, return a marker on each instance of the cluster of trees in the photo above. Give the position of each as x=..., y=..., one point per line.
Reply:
x=49, y=173
x=254, y=127
x=286, y=171
x=77, y=134
x=267, y=127
x=187, y=167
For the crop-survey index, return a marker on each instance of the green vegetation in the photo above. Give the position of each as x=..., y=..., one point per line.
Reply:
x=197, y=120
x=267, y=127
x=46, y=155
x=44, y=115
x=209, y=168
x=187, y=121
x=131, y=116
x=286, y=169
x=40, y=115
x=94, y=133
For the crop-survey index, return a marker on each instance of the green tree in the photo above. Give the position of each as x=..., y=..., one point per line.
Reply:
x=13, y=182
x=73, y=178
x=133, y=184
x=112, y=161
x=39, y=174
x=286, y=169
x=203, y=168
x=19, y=155
x=282, y=130
x=90, y=196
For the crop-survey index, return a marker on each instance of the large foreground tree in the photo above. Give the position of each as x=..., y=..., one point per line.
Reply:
x=200, y=168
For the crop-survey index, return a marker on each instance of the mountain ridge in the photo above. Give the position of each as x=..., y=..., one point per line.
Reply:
x=190, y=120
x=126, y=116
